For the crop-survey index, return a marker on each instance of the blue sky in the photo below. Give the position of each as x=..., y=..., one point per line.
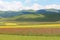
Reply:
x=28, y=4
x=41, y=2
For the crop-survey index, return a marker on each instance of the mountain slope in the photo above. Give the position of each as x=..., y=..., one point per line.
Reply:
x=44, y=15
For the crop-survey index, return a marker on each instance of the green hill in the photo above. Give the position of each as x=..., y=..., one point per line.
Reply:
x=44, y=15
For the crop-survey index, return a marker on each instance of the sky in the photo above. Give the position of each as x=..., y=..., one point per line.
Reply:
x=16, y=5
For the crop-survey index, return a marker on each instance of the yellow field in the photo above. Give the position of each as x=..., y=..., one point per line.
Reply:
x=31, y=25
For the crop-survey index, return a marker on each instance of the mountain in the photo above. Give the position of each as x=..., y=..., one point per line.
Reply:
x=43, y=15
x=51, y=11
x=7, y=14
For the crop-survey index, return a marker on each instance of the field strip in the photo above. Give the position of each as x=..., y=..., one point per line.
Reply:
x=17, y=37
x=32, y=26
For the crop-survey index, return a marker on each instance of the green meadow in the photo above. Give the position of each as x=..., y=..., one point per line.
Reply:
x=18, y=37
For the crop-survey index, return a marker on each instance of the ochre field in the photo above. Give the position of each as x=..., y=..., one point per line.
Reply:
x=31, y=25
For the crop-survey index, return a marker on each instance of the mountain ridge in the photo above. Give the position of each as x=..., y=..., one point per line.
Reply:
x=31, y=15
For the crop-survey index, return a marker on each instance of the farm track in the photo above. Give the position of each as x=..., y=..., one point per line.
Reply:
x=30, y=30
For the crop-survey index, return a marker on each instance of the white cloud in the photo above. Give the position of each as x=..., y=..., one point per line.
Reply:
x=10, y=5
x=37, y=6
x=17, y=5
x=54, y=6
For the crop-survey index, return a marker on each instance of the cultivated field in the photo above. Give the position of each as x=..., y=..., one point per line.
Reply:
x=30, y=25
x=30, y=31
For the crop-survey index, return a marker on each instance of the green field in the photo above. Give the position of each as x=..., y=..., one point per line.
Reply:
x=17, y=37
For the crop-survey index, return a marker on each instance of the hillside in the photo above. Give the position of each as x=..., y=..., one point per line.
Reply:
x=44, y=15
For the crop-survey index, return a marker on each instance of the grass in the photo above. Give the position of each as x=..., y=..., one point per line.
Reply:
x=17, y=37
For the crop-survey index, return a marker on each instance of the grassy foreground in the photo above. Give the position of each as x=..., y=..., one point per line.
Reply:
x=17, y=37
